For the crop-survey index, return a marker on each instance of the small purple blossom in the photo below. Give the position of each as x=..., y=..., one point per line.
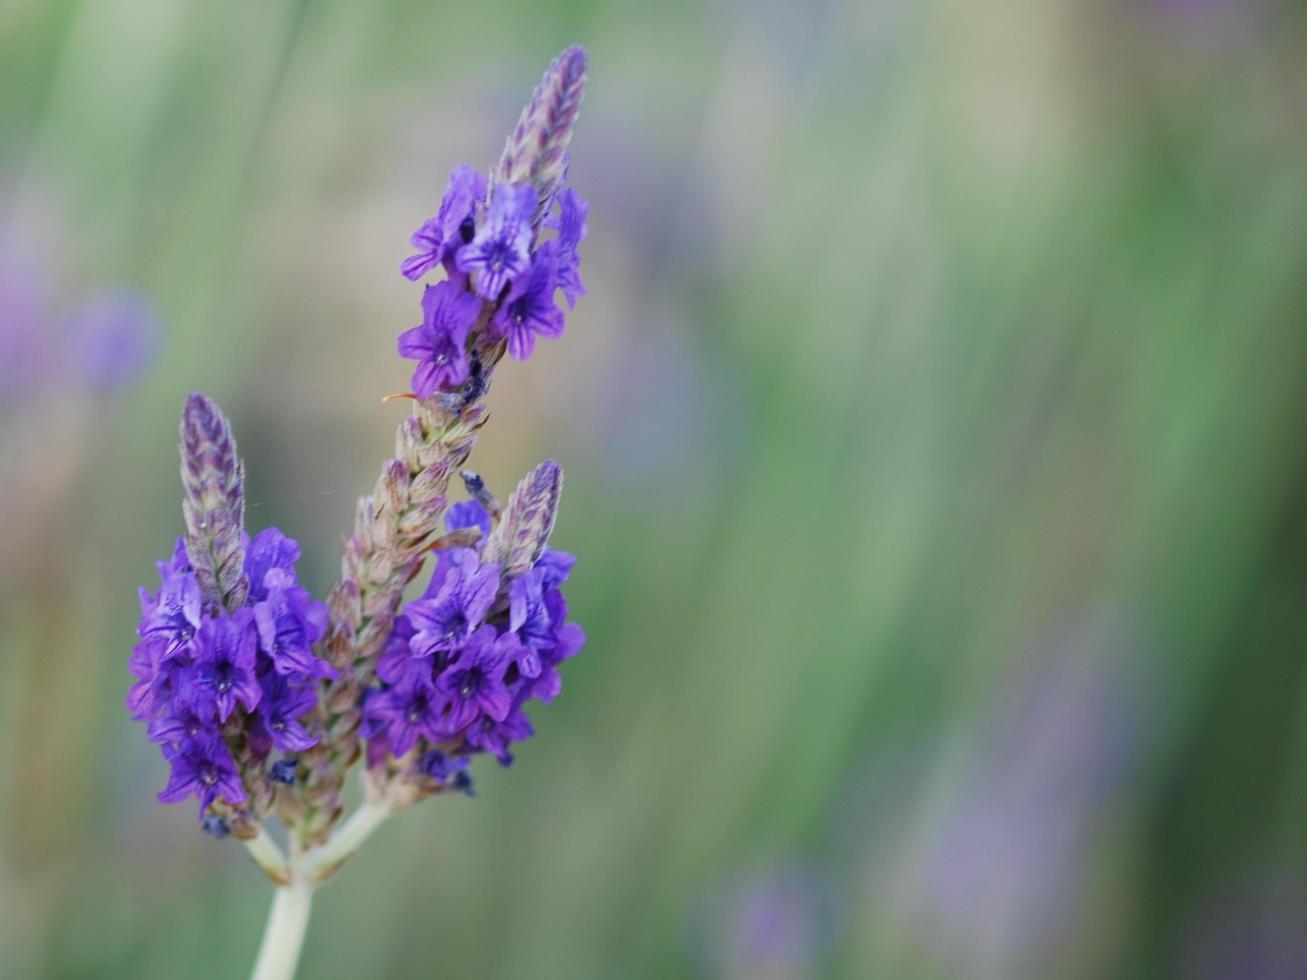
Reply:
x=474, y=682
x=173, y=615
x=468, y=513
x=494, y=737
x=410, y=709
x=461, y=593
x=159, y=678
x=439, y=342
x=453, y=225
x=289, y=623
x=442, y=767
x=202, y=767
x=270, y=549
x=225, y=650
x=572, y=229
x=500, y=252
x=529, y=308
x=282, y=710
x=397, y=661
x=184, y=718
x=283, y=771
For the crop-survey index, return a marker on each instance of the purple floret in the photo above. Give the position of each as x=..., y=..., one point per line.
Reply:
x=572, y=228
x=474, y=682
x=270, y=549
x=202, y=767
x=529, y=308
x=289, y=623
x=439, y=342
x=281, y=713
x=500, y=252
x=173, y=615
x=461, y=593
x=406, y=711
x=468, y=513
x=225, y=655
x=452, y=227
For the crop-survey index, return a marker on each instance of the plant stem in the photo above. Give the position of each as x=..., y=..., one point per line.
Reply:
x=268, y=856
x=321, y=862
x=284, y=934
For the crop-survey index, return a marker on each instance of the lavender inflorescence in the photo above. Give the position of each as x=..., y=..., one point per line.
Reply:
x=261, y=697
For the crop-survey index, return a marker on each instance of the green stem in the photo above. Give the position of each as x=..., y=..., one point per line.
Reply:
x=284, y=934
x=321, y=862
x=268, y=856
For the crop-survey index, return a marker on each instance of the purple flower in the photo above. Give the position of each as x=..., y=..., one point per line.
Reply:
x=474, y=682
x=461, y=593
x=289, y=623
x=226, y=648
x=538, y=614
x=439, y=342
x=283, y=771
x=555, y=567
x=572, y=228
x=529, y=308
x=184, y=719
x=494, y=737
x=173, y=615
x=202, y=766
x=281, y=709
x=442, y=767
x=159, y=678
x=500, y=252
x=452, y=226
x=409, y=709
x=468, y=513
x=269, y=549
x=397, y=661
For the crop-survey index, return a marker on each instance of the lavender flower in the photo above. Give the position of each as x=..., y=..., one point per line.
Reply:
x=501, y=250
x=282, y=711
x=459, y=597
x=411, y=709
x=494, y=737
x=468, y=513
x=262, y=698
x=529, y=308
x=174, y=614
x=202, y=767
x=438, y=343
x=572, y=229
x=224, y=659
x=474, y=683
x=452, y=226
x=270, y=549
x=289, y=623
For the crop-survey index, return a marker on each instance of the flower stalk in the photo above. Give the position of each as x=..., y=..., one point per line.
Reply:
x=283, y=936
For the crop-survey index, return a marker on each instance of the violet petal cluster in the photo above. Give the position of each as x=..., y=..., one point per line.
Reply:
x=466, y=658
x=219, y=689
x=502, y=276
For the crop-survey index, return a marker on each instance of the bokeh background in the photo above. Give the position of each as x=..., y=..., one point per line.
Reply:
x=934, y=432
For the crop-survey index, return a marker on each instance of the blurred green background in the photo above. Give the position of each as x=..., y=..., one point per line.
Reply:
x=934, y=436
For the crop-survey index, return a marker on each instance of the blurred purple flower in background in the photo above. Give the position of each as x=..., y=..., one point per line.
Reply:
x=1004, y=876
x=102, y=343
x=114, y=337
x=769, y=925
